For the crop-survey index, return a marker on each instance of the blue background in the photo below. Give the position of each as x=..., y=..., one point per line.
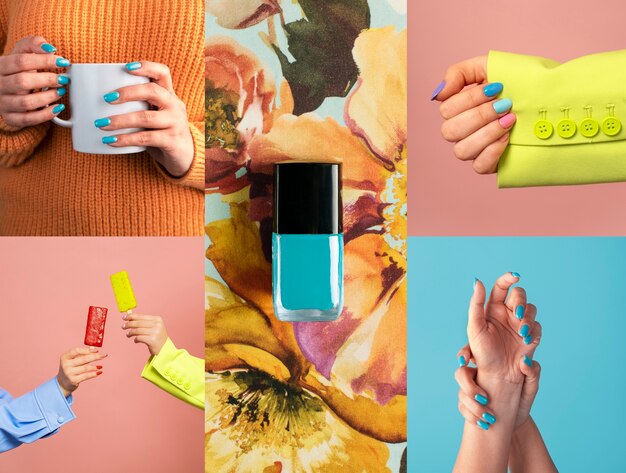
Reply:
x=578, y=287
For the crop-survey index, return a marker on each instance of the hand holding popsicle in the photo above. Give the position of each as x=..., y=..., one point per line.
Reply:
x=76, y=367
x=147, y=329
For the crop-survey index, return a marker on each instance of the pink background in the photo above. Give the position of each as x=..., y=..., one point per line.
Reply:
x=124, y=423
x=446, y=197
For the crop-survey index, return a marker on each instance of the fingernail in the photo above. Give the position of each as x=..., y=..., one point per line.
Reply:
x=100, y=122
x=62, y=62
x=528, y=339
x=58, y=109
x=64, y=80
x=461, y=360
x=100, y=367
x=48, y=48
x=507, y=120
x=516, y=275
x=528, y=361
x=94, y=349
x=489, y=418
x=519, y=312
x=437, y=90
x=111, y=97
x=107, y=140
x=61, y=91
x=480, y=399
x=133, y=66
x=98, y=373
x=124, y=316
x=493, y=89
x=124, y=326
x=475, y=282
x=502, y=105
x=523, y=331
x=483, y=425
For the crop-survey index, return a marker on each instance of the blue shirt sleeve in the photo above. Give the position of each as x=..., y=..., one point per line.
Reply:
x=37, y=414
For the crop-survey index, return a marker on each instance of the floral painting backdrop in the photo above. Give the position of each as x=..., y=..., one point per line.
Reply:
x=306, y=80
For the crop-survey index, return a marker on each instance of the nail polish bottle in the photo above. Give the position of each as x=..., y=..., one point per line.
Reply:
x=307, y=242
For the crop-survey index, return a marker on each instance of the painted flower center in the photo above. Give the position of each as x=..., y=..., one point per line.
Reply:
x=220, y=119
x=395, y=212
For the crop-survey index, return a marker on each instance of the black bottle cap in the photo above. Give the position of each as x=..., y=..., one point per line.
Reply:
x=307, y=198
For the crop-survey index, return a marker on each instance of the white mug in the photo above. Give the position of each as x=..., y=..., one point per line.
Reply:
x=88, y=85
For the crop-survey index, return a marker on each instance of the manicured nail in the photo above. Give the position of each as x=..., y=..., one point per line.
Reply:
x=62, y=62
x=483, y=425
x=124, y=316
x=48, y=48
x=507, y=120
x=489, y=418
x=461, y=360
x=100, y=367
x=493, y=89
x=523, y=331
x=107, y=140
x=480, y=399
x=502, y=105
x=133, y=66
x=64, y=80
x=516, y=275
x=98, y=373
x=437, y=90
x=111, y=97
x=61, y=91
x=100, y=122
x=528, y=361
x=528, y=339
x=519, y=312
x=475, y=282
x=58, y=109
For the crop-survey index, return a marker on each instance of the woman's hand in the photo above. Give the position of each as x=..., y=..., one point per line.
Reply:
x=147, y=329
x=167, y=133
x=22, y=103
x=75, y=367
x=476, y=119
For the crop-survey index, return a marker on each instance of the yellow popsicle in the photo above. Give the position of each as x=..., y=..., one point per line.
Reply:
x=123, y=291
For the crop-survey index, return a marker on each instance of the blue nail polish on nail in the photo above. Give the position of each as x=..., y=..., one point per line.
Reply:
x=480, y=399
x=519, y=312
x=489, y=418
x=483, y=425
x=133, y=66
x=62, y=62
x=48, y=48
x=100, y=122
x=523, y=331
x=64, y=80
x=58, y=109
x=503, y=105
x=107, y=140
x=437, y=90
x=475, y=282
x=61, y=91
x=493, y=89
x=461, y=360
x=111, y=97
x=528, y=339
x=528, y=361
x=516, y=275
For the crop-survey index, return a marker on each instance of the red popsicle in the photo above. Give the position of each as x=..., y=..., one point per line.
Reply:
x=97, y=317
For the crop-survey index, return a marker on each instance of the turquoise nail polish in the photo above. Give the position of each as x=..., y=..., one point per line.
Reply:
x=494, y=89
x=437, y=90
x=528, y=339
x=502, y=105
x=519, y=312
x=111, y=97
x=64, y=80
x=48, y=48
x=528, y=361
x=133, y=66
x=461, y=360
x=483, y=425
x=475, y=282
x=516, y=275
x=489, y=418
x=107, y=140
x=61, y=91
x=62, y=62
x=58, y=109
x=100, y=122
x=523, y=331
x=480, y=399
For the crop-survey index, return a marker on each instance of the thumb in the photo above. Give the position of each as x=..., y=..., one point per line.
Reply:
x=471, y=71
x=33, y=44
x=476, y=317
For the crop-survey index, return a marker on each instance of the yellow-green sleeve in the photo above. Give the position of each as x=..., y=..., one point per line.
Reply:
x=178, y=373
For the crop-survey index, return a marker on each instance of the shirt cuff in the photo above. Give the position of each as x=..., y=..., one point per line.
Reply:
x=55, y=408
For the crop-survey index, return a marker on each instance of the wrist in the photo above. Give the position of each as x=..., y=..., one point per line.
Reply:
x=66, y=393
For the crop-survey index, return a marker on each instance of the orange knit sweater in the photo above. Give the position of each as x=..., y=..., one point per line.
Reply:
x=46, y=188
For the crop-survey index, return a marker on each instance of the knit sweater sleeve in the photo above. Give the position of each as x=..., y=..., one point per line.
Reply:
x=16, y=145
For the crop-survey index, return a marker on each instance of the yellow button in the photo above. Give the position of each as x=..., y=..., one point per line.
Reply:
x=566, y=128
x=611, y=126
x=543, y=129
x=589, y=127
x=187, y=385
